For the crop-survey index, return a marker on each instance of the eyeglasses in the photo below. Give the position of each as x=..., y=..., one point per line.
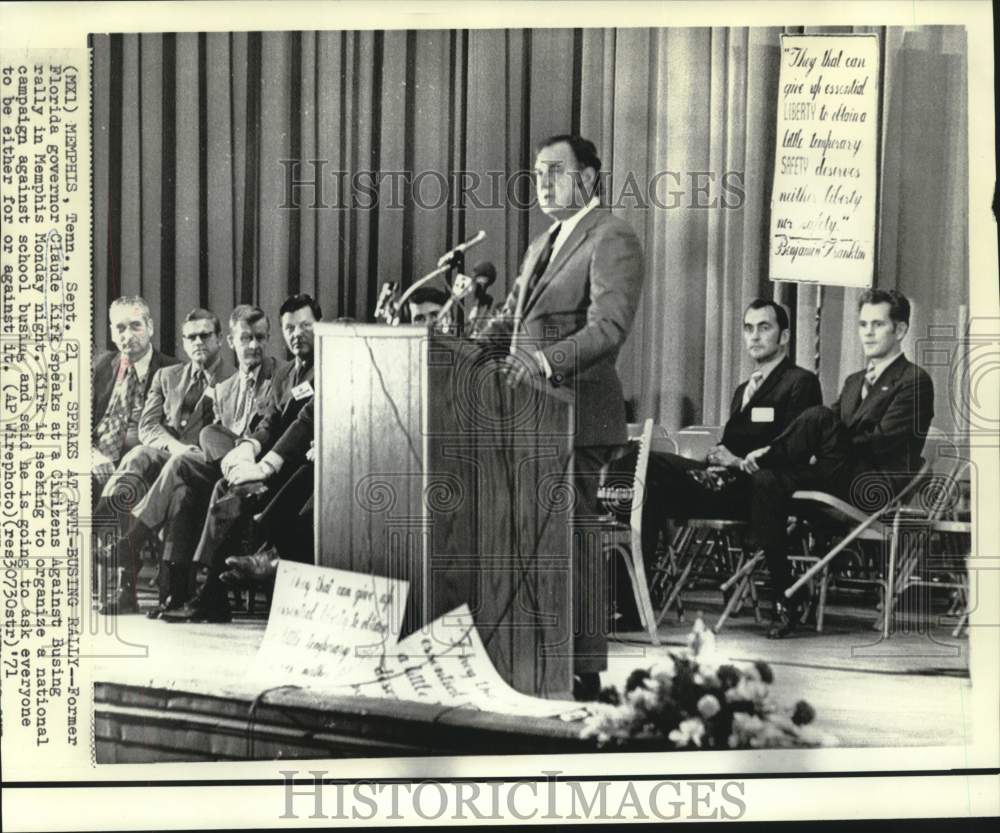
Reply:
x=198, y=336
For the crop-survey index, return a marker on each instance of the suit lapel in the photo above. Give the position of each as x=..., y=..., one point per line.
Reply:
x=228, y=393
x=883, y=387
x=104, y=386
x=572, y=243
x=769, y=383
x=154, y=365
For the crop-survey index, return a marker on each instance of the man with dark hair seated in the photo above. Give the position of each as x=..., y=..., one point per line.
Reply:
x=764, y=405
x=253, y=466
x=776, y=392
x=869, y=442
x=178, y=406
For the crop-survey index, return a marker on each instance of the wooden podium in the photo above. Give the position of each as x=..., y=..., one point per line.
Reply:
x=432, y=470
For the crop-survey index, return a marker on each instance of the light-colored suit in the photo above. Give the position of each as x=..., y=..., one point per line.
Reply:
x=162, y=424
x=578, y=316
x=178, y=499
x=163, y=429
x=227, y=397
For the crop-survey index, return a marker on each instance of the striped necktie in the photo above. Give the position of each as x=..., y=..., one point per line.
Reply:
x=869, y=383
x=752, y=387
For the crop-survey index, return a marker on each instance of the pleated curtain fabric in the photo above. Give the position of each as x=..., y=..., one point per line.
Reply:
x=241, y=167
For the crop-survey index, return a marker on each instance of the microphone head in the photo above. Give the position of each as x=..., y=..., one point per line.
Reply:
x=485, y=274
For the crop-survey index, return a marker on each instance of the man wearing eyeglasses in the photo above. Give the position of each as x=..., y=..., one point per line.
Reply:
x=178, y=406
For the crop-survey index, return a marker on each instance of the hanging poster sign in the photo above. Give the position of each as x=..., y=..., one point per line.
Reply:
x=823, y=201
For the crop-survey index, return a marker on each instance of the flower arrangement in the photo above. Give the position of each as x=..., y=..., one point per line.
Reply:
x=697, y=700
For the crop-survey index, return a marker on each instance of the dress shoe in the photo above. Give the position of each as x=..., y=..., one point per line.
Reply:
x=586, y=686
x=786, y=621
x=164, y=607
x=260, y=567
x=124, y=601
x=195, y=611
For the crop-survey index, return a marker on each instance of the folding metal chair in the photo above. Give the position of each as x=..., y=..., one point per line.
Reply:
x=699, y=543
x=934, y=555
x=829, y=516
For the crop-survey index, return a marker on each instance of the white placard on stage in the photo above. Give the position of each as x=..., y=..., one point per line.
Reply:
x=338, y=631
x=447, y=664
x=324, y=623
x=823, y=204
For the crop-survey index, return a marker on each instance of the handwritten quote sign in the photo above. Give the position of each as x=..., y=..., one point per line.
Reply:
x=324, y=623
x=337, y=631
x=451, y=667
x=824, y=198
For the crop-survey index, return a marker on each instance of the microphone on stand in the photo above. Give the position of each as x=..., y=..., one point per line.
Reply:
x=387, y=306
x=455, y=257
x=483, y=275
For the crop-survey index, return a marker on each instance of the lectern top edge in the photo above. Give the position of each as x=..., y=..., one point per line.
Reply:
x=361, y=328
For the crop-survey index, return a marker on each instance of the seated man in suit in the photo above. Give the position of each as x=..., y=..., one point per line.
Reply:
x=254, y=465
x=120, y=384
x=178, y=498
x=178, y=406
x=872, y=436
x=762, y=407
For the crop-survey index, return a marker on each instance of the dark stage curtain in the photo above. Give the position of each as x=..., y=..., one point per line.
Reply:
x=195, y=136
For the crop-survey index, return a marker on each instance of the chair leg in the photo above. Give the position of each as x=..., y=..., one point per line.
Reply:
x=675, y=591
x=821, y=609
x=637, y=575
x=734, y=600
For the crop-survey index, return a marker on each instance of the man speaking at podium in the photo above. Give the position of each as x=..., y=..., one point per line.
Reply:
x=565, y=320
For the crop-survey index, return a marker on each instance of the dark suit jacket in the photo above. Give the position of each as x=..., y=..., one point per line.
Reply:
x=887, y=430
x=105, y=369
x=226, y=393
x=787, y=391
x=294, y=443
x=579, y=315
x=161, y=424
x=282, y=408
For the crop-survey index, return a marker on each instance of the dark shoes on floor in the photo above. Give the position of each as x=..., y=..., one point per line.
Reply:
x=123, y=601
x=197, y=610
x=164, y=607
x=786, y=620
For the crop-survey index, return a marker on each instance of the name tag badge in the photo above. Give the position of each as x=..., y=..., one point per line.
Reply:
x=762, y=414
x=302, y=391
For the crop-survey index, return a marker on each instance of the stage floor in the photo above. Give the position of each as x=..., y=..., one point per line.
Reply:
x=908, y=691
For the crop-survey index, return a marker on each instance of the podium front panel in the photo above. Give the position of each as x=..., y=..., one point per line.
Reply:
x=430, y=469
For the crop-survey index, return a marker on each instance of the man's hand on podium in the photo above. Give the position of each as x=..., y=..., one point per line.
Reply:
x=519, y=366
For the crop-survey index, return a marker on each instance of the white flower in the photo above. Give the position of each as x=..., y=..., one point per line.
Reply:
x=708, y=706
x=689, y=731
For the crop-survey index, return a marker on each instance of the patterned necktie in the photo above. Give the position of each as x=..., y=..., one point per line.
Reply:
x=243, y=404
x=113, y=427
x=869, y=383
x=752, y=387
x=543, y=259
x=194, y=392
